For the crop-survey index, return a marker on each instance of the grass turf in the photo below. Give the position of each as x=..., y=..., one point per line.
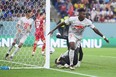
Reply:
x=96, y=62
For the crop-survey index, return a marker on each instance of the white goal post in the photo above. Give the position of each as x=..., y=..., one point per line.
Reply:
x=23, y=59
x=47, y=62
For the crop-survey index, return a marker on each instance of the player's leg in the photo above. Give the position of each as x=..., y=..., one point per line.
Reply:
x=44, y=44
x=13, y=44
x=22, y=40
x=80, y=56
x=16, y=50
x=76, y=56
x=72, y=42
x=71, y=54
x=10, y=48
x=62, y=61
x=35, y=44
x=67, y=41
x=60, y=29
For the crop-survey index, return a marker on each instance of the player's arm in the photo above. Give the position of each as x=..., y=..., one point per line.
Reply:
x=17, y=27
x=29, y=29
x=100, y=34
x=60, y=24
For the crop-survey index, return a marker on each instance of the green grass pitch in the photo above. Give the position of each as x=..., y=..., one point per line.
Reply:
x=99, y=62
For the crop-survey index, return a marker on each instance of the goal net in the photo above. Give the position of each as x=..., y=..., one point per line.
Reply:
x=10, y=12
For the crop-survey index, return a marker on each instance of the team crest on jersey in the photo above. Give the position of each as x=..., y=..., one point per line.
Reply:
x=79, y=27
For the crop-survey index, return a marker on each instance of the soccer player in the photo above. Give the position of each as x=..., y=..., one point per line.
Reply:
x=63, y=34
x=63, y=31
x=63, y=59
x=39, y=32
x=80, y=54
x=76, y=28
x=23, y=29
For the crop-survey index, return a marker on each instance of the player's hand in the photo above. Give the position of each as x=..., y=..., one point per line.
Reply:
x=106, y=40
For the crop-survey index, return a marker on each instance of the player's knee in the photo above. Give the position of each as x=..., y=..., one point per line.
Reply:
x=13, y=43
x=35, y=42
x=20, y=45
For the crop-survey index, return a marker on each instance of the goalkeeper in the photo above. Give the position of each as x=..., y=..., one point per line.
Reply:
x=63, y=60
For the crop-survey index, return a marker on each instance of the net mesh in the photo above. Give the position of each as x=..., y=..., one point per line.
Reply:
x=10, y=12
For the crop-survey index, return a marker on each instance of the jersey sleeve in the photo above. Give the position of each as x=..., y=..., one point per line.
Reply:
x=91, y=25
x=68, y=21
x=19, y=21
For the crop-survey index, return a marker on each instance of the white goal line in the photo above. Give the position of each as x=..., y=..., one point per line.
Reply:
x=77, y=73
x=29, y=65
x=102, y=56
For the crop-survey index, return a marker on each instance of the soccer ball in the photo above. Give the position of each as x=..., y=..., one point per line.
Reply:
x=52, y=50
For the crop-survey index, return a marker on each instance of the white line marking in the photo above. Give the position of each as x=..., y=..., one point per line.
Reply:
x=20, y=63
x=107, y=56
x=36, y=67
x=101, y=56
x=77, y=73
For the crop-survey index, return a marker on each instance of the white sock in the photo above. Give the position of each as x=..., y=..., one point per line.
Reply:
x=71, y=56
x=10, y=49
x=78, y=64
x=16, y=50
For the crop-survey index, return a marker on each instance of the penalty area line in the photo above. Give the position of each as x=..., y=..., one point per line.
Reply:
x=108, y=56
x=102, y=56
x=77, y=73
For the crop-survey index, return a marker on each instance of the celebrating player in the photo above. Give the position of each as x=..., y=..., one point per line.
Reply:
x=39, y=33
x=23, y=29
x=63, y=34
x=76, y=28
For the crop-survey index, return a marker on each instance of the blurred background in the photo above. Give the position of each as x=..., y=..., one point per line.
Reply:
x=101, y=12
x=97, y=10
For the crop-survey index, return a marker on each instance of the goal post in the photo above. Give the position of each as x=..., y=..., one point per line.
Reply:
x=23, y=58
x=47, y=62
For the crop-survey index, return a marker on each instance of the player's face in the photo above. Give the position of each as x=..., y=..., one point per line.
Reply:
x=30, y=14
x=82, y=15
x=44, y=15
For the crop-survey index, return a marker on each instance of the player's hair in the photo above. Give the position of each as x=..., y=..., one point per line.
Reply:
x=81, y=10
x=27, y=11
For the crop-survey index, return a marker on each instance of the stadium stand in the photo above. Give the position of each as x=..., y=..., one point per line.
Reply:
x=13, y=9
x=97, y=10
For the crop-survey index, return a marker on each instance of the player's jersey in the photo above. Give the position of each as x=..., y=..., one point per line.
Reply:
x=77, y=27
x=39, y=24
x=25, y=24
